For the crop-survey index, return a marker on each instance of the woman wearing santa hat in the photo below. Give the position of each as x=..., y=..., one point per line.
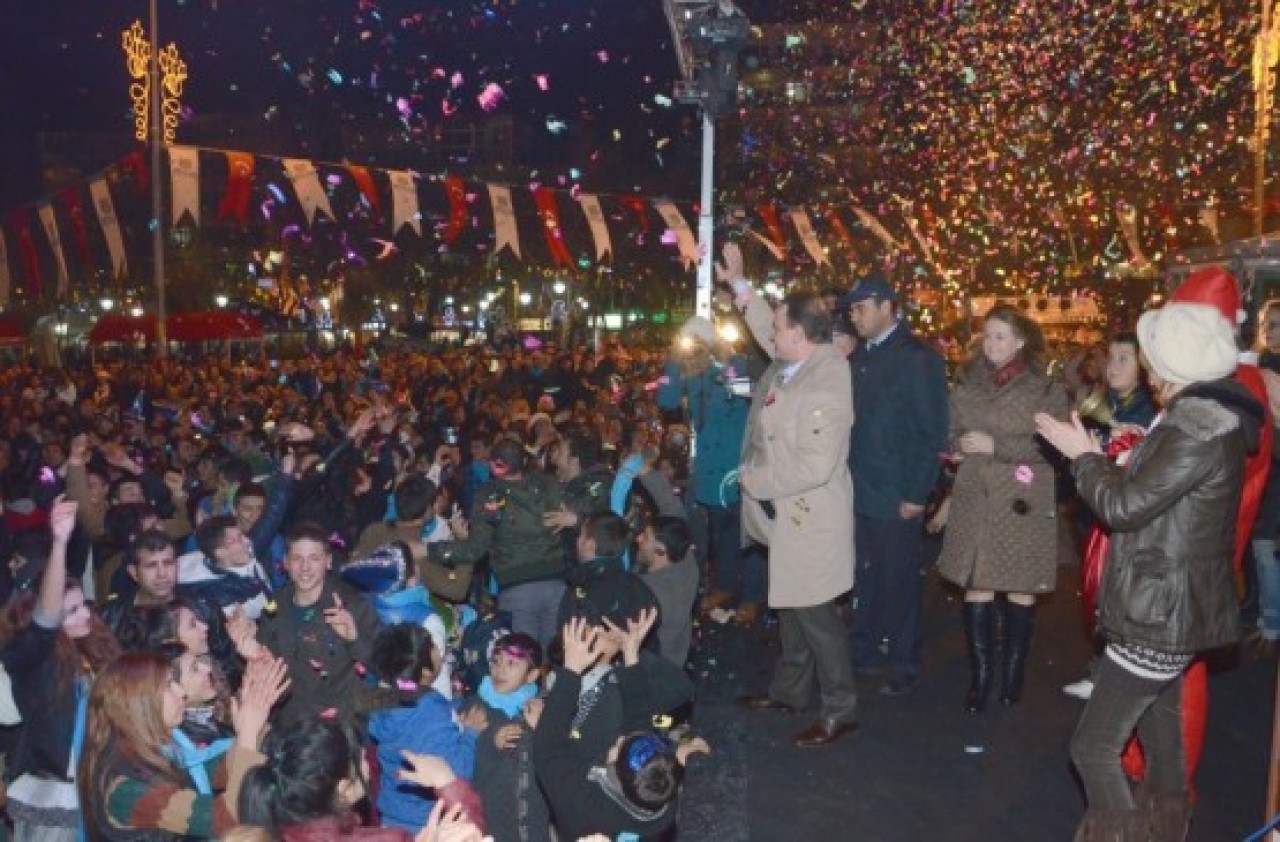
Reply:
x=1168, y=591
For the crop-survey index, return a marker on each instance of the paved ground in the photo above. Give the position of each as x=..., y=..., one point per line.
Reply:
x=920, y=768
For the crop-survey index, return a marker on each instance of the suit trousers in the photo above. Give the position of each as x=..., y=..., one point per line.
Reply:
x=815, y=645
x=888, y=592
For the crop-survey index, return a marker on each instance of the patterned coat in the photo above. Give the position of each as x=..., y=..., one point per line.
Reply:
x=1002, y=533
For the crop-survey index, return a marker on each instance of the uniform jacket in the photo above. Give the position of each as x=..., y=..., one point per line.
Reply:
x=1168, y=582
x=1002, y=533
x=794, y=458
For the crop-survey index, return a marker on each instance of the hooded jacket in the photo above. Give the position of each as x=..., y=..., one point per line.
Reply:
x=1169, y=582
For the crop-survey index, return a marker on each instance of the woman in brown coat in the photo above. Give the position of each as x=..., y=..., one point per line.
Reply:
x=1002, y=529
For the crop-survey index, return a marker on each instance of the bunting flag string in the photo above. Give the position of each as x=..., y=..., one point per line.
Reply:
x=235, y=201
x=21, y=223
x=456, y=191
x=364, y=181
x=404, y=203
x=808, y=237
x=106, y=212
x=306, y=184
x=184, y=183
x=79, y=228
x=1128, y=216
x=504, y=220
x=545, y=198
x=590, y=205
x=769, y=215
x=50, y=224
x=684, y=237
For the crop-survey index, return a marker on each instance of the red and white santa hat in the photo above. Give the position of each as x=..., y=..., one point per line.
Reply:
x=1215, y=286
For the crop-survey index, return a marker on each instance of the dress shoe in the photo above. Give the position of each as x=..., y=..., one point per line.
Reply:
x=716, y=599
x=748, y=613
x=899, y=685
x=764, y=701
x=823, y=732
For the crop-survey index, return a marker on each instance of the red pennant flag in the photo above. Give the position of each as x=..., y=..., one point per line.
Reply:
x=21, y=223
x=546, y=200
x=235, y=202
x=135, y=163
x=640, y=208
x=368, y=189
x=456, y=190
x=79, y=230
x=769, y=215
x=837, y=225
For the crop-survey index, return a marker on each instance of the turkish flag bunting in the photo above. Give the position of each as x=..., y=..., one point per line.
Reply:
x=546, y=200
x=364, y=180
x=837, y=225
x=136, y=164
x=456, y=190
x=640, y=208
x=235, y=202
x=79, y=230
x=769, y=215
x=21, y=223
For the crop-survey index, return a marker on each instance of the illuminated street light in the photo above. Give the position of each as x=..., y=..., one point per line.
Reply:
x=324, y=302
x=107, y=304
x=221, y=300
x=136, y=311
x=484, y=304
x=525, y=298
x=558, y=287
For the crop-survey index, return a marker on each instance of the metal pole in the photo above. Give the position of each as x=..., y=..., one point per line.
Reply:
x=157, y=209
x=1262, y=101
x=706, y=219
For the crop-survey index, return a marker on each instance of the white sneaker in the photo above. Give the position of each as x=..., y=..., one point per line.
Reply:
x=1081, y=689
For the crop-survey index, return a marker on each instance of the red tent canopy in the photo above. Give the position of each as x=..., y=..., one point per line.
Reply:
x=182, y=327
x=117, y=327
x=213, y=325
x=11, y=331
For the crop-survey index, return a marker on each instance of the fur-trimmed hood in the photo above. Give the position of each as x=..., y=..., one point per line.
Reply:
x=1207, y=410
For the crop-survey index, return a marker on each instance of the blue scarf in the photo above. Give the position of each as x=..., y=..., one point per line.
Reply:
x=512, y=704
x=192, y=758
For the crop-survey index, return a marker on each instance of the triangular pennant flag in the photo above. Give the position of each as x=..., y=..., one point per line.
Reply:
x=79, y=229
x=184, y=183
x=873, y=225
x=545, y=198
x=404, y=202
x=368, y=188
x=106, y=211
x=1209, y=219
x=5, y=279
x=456, y=191
x=599, y=227
x=808, y=237
x=50, y=225
x=1128, y=216
x=768, y=243
x=235, y=202
x=504, y=220
x=306, y=184
x=684, y=237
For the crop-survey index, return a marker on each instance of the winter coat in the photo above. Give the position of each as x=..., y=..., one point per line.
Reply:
x=507, y=784
x=324, y=668
x=901, y=391
x=718, y=419
x=794, y=459
x=1002, y=532
x=506, y=523
x=1171, y=509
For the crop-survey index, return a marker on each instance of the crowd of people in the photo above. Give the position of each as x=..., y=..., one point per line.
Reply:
x=452, y=595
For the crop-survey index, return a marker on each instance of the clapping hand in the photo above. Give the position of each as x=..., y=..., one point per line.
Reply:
x=449, y=824
x=265, y=681
x=1070, y=437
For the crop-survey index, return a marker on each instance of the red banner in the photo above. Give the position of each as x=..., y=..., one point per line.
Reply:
x=20, y=221
x=364, y=180
x=769, y=215
x=135, y=163
x=837, y=225
x=235, y=202
x=79, y=230
x=550, y=214
x=456, y=190
x=640, y=208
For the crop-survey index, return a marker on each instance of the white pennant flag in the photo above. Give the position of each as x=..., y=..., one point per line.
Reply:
x=306, y=183
x=1209, y=219
x=55, y=244
x=873, y=225
x=684, y=237
x=774, y=248
x=915, y=232
x=106, y=211
x=599, y=228
x=1128, y=216
x=4, y=272
x=800, y=218
x=184, y=182
x=404, y=202
x=504, y=220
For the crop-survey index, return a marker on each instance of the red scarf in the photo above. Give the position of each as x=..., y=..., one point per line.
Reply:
x=1006, y=373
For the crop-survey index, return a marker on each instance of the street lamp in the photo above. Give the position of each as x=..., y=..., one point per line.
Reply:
x=525, y=298
x=558, y=287
x=221, y=300
x=107, y=304
x=709, y=35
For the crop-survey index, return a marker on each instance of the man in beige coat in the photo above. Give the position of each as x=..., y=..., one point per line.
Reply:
x=798, y=500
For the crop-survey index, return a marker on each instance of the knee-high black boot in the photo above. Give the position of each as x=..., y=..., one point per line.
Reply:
x=979, y=627
x=1019, y=622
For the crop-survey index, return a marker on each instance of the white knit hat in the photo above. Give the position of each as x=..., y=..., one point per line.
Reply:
x=1187, y=343
x=701, y=329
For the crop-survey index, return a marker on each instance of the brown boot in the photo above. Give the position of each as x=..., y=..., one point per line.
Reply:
x=716, y=599
x=748, y=613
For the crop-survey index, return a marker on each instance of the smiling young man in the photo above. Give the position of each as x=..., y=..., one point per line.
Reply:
x=322, y=629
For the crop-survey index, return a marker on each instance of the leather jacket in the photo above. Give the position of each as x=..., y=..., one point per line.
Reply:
x=1169, y=582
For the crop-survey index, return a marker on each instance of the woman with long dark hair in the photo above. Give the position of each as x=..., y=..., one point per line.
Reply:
x=129, y=781
x=52, y=646
x=1002, y=530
